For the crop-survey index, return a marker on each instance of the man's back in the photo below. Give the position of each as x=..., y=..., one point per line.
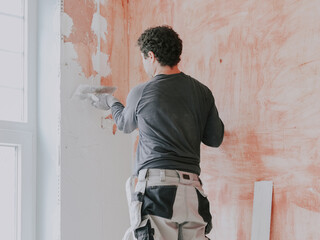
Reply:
x=172, y=113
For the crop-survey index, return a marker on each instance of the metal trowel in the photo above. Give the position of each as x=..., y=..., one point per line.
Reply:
x=87, y=92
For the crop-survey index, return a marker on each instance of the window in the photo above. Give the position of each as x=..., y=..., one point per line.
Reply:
x=9, y=185
x=17, y=185
x=12, y=61
x=17, y=119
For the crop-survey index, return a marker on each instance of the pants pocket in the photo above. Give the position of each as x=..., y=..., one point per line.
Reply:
x=135, y=209
x=145, y=231
x=135, y=198
x=204, y=209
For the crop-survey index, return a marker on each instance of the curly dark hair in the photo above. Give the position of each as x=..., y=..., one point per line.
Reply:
x=164, y=42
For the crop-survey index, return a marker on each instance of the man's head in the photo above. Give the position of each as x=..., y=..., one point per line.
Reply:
x=162, y=44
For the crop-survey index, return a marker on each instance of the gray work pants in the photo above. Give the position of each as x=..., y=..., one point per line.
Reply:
x=169, y=205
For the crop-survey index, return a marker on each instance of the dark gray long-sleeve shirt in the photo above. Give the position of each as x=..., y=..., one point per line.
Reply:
x=174, y=114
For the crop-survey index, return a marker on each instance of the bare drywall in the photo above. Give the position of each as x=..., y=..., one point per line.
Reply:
x=95, y=158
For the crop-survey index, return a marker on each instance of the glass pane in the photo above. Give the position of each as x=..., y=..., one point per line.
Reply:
x=11, y=7
x=11, y=104
x=8, y=190
x=11, y=69
x=11, y=29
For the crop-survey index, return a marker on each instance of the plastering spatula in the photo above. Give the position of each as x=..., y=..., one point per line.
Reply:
x=85, y=92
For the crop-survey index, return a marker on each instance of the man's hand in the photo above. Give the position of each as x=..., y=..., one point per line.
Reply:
x=103, y=101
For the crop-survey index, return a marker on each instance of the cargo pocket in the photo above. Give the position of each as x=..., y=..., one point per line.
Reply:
x=135, y=209
x=135, y=199
x=159, y=200
x=145, y=231
x=204, y=209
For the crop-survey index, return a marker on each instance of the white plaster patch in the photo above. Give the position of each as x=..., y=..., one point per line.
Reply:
x=105, y=68
x=66, y=24
x=103, y=1
x=99, y=25
x=56, y=26
x=96, y=62
x=95, y=25
x=103, y=28
x=101, y=64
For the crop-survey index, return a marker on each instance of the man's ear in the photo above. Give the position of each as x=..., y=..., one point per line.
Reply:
x=151, y=56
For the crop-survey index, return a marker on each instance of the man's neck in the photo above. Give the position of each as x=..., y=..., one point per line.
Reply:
x=167, y=70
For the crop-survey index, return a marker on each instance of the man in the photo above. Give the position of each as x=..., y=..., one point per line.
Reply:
x=174, y=114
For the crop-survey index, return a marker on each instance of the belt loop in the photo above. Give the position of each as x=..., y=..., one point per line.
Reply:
x=162, y=175
x=178, y=174
x=200, y=181
x=143, y=174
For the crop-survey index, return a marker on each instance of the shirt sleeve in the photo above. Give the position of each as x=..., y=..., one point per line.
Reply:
x=125, y=117
x=214, y=128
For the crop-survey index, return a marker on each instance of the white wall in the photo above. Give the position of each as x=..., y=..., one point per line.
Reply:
x=94, y=163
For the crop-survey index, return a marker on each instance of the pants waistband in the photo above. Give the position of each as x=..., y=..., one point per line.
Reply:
x=184, y=177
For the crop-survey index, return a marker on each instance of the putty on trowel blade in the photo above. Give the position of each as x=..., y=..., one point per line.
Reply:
x=87, y=92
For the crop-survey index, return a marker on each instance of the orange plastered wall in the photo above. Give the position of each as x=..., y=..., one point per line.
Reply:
x=261, y=59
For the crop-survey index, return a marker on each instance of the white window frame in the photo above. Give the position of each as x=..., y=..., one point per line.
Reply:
x=24, y=134
x=26, y=181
